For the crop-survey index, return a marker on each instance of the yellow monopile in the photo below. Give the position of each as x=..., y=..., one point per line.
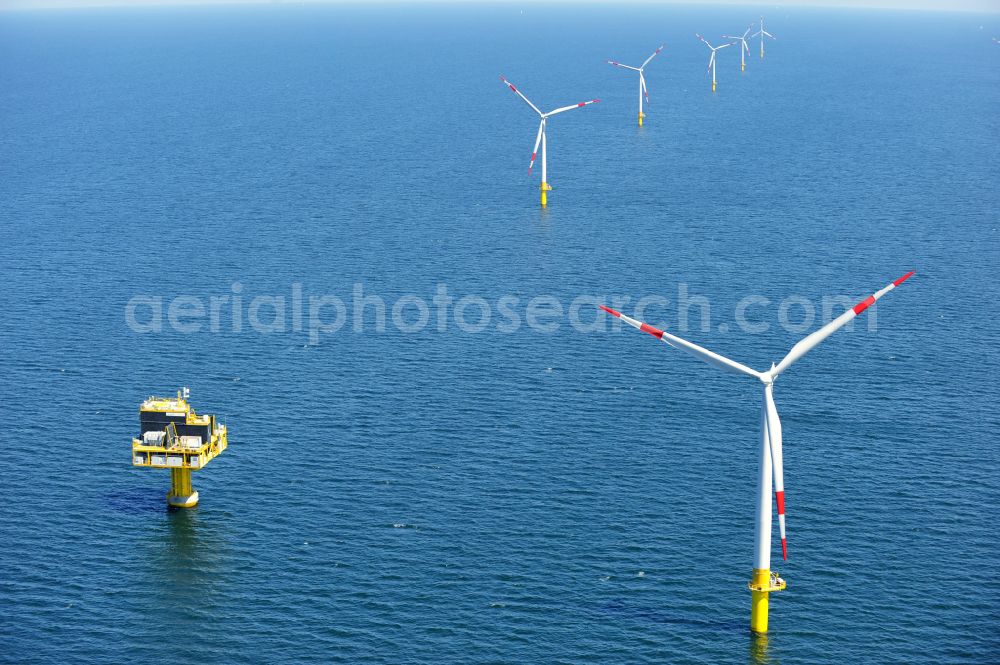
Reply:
x=764, y=582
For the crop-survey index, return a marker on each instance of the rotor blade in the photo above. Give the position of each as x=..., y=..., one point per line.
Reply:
x=719, y=48
x=769, y=35
x=519, y=94
x=570, y=108
x=642, y=82
x=774, y=441
x=745, y=46
x=534, y=151
x=703, y=39
x=655, y=53
x=699, y=352
x=809, y=342
x=618, y=64
x=755, y=34
x=749, y=28
x=710, y=61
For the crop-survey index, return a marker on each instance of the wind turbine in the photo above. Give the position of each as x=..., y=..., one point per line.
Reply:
x=744, y=49
x=763, y=582
x=541, y=135
x=642, y=79
x=711, y=60
x=762, y=32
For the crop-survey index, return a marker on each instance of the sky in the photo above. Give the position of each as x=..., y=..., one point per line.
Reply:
x=991, y=6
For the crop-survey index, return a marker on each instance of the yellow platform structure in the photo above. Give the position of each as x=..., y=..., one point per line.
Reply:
x=172, y=436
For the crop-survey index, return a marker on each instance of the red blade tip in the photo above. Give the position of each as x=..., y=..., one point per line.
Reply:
x=903, y=278
x=610, y=311
x=784, y=549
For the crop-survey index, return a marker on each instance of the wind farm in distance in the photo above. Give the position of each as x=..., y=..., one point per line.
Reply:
x=643, y=96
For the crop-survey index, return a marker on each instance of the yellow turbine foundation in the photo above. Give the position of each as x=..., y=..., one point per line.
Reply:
x=545, y=194
x=743, y=66
x=713, y=86
x=760, y=587
x=182, y=495
x=758, y=602
x=641, y=116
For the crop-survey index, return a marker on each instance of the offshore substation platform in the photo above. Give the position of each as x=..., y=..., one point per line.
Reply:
x=172, y=436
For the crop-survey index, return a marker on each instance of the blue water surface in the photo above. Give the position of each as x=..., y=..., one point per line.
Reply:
x=449, y=496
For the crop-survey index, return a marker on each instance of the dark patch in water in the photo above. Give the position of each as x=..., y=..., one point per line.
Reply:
x=136, y=501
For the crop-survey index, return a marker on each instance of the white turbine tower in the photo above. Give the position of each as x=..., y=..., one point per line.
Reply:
x=762, y=32
x=771, y=467
x=744, y=49
x=711, y=60
x=540, y=138
x=642, y=79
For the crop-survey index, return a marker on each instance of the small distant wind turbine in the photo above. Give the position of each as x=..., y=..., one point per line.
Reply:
x=744, y=49
x=771, y=467
x=762, y=32
x=711, y=60
x=642, y=79
x=541, y=135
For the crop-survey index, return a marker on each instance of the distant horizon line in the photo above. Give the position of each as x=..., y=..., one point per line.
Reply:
x=967, y=7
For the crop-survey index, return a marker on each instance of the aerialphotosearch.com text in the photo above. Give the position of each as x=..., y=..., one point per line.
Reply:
x=319, y=316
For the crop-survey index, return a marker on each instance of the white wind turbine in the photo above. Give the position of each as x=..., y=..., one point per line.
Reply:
x=762, y=32
x=770, y=448
x=642, y=79
x=744, y=49
x=711, y=60
x=541, y=135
